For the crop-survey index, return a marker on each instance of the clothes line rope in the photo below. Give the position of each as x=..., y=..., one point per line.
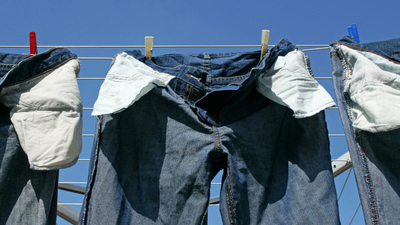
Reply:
x=330, y=135
x=335, y=107
x=102, y=78
x=154, y=46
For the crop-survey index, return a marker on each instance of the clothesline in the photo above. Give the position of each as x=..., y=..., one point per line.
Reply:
x=311, y=48
x=154, y=46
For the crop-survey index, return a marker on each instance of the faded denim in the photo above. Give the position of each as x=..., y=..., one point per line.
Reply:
x=367, y=86
x=29, y=111
x=152, y=162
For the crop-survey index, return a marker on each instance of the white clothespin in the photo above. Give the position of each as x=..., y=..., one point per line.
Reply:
x=148, y=46
x=264, y=42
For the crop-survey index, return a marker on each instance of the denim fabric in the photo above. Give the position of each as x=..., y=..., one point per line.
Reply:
x=46, y=107
x=27, y=196
x=367, y=86
x=152, y=163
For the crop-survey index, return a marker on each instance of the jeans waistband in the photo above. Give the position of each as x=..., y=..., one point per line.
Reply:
x=16, y=68
x=389, y=49
x=206, y=73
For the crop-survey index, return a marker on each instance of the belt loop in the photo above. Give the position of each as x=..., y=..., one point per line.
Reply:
x=207, y=67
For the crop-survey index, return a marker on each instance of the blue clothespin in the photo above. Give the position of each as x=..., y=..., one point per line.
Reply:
x=353, y=32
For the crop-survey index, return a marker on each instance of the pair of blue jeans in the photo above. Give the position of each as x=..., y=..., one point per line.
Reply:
x=154, y=158
x=28, y=186
x=367, y=86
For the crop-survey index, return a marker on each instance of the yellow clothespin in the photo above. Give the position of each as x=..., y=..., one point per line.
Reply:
x=264, y=42
x=148, y=46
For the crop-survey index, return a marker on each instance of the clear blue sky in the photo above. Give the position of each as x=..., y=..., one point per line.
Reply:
x=179, y=22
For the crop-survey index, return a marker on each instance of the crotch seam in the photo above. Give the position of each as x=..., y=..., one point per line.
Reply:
x=217, y=139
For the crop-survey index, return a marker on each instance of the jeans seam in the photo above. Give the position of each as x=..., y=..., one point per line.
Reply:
x=347, y=72
x=229, y=199
x=217, y=138
x=93, y=175
x=366, y=50
x=43, y=72
x=223, y=80
x=164, y=67
x=186, y=81
x=372, y=199
x=204, y=217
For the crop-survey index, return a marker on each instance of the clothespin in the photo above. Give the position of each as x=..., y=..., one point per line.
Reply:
x=148, y=46
x=264, y=42
x=32, y=43
x=353, y=32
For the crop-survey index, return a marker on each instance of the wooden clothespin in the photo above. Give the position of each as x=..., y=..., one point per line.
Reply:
x=32, y=43
x=353, y=32
x=264, y=42
x=148, y=46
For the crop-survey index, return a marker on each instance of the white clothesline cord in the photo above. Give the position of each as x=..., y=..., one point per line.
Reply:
x=102, y=78
x=91, y=108
x=72, y=204
x=155, y=46
x=72, y=182
x=330, y=135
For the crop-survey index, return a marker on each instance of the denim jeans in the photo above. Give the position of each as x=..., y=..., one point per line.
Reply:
x=367, y=85
x=38, y=96
x=159, y=145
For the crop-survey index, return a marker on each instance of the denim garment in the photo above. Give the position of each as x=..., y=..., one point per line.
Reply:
x=46, y=107
x=152, y=162
x=29, y=196
x=289, y=82
x=367, y=86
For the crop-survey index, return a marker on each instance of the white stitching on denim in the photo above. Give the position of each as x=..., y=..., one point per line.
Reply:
x=229, y=199
x=207, y=67
x=307, y=63
x=371, y=191
x=346, y=68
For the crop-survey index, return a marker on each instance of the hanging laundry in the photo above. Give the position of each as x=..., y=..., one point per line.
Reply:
x=367, y=87
x=40, y=132
x=168, y=125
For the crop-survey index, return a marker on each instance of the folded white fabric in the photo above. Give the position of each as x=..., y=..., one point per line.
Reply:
x=372, y=84
x=126, y=82
x=289, y=82
x=46, y=112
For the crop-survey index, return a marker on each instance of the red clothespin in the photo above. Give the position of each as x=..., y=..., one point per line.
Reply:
x=32, y=43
